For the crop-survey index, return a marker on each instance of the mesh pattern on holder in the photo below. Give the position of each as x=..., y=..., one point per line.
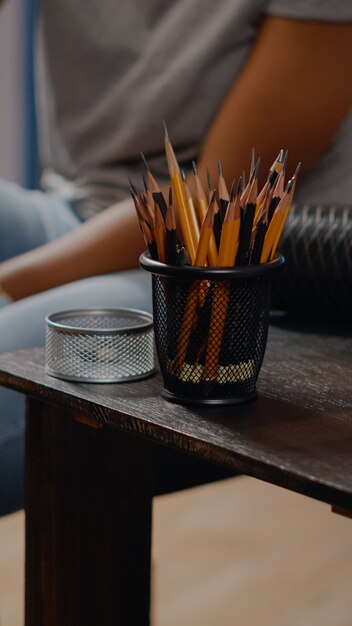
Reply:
x=211, y=326
x=100, y=345
x=211, y=336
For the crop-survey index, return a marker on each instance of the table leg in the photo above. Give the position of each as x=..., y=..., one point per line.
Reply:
x=88, y=523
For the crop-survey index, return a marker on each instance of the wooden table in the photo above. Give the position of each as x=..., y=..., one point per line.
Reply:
x=97, y=454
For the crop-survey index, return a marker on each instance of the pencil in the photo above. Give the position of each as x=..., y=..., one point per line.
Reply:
x=270, y=182
x=277, y=223
x=247, y=218
x=160, y=233
x=170, y=234
x=258, y=242
x=282, y=224
x=192, y=210
x=211, y=187
x=205, y=234
x=230, y=231
x=254, y=175
x=227, y=254
x=216, y=329
x=187, y=222
x=150, y=242
x=202, y=206
x=224, y=196
x=278, y=191
x=155, y=189
x=253, y=161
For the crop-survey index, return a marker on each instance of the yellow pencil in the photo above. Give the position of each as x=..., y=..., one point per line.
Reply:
x=159, y=232
x=186, y=220
x=230, y=231
x=285, y=214
x=277, y=222
x=275, y=169
x=205, y=234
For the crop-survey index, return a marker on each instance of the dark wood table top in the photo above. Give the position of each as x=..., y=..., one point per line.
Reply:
x=297, y=434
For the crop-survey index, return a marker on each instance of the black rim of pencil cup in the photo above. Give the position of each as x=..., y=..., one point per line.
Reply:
x=211, y=326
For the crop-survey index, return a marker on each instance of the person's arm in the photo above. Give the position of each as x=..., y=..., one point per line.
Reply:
x=107, y=242
x=294, y=91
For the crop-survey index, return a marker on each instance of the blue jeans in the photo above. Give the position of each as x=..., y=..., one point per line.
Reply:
x=29, y=219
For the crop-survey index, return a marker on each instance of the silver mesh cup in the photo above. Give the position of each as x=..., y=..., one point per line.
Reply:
x=99, y=345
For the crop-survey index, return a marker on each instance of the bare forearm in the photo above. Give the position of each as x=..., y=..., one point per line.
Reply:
x=109, y=242
x=293, y=92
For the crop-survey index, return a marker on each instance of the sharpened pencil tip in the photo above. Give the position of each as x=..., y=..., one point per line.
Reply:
x=280, y=157
x=212, y=197
x=210, y=182
x=289, y=185
x=252, y=159
x=132, y=186
x=145, y=182
x=284, y=162
x=183, y=175
x=256, y=169
x=165, y=128
x=294, y=177
x=239, y=186
x=145, y=162
x=219, y=167
x=194, y=168
x=233, y=190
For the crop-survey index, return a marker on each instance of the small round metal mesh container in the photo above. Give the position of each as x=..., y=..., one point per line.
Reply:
x=99, y=345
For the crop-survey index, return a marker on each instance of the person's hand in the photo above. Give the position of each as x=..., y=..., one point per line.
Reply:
x=108, y=242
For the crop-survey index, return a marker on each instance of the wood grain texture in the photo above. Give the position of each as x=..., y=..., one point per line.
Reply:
x=297, y=434
x=88, y=523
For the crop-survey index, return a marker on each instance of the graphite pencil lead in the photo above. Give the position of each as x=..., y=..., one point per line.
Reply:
x=233, y=190
x=165, y=128
x=243, y=181
x=289, y=186
x=133, y=193
x=294, y=177
x=252, y=162
x=194, y=168
x=255, y=172
x=145, y=182
x=210, y=182
x=253, y=192
x=220, y=167
x=284, y=162
x=183, y=176
x=145, y=162
x=132, y=186
x=281, y=156
x=239, y=190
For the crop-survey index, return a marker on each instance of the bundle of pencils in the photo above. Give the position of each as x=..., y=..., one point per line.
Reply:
x=228, y=229
x=222, y=228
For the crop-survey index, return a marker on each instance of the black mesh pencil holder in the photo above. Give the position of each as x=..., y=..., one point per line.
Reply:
x=211, y=327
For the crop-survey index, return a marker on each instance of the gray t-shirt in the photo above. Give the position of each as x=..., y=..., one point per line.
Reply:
x=110, y=70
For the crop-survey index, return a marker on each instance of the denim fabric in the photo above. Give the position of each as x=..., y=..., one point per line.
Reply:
x=29, y=219
x=22, y=323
